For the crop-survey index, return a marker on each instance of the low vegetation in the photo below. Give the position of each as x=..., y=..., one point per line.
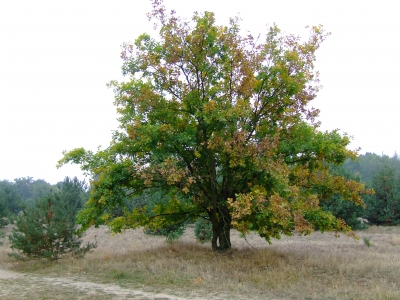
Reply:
x=301, y=267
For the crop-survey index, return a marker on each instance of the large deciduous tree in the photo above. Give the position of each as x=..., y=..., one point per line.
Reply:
x=220, y=124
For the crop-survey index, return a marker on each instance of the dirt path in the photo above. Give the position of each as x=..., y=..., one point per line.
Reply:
x=15, y=285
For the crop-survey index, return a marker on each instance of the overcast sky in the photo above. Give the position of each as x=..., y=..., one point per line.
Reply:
x=57, y=56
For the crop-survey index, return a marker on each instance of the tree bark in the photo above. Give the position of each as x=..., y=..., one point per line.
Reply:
x=221, y=227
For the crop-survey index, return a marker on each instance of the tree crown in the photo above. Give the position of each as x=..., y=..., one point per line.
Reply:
x=220, y=123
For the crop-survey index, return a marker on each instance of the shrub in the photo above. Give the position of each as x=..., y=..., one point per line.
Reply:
x=203, y=230
x=171, y=227
x=367, y=241
x=171, y=233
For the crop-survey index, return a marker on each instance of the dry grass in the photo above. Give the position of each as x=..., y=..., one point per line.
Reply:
x=313, y=267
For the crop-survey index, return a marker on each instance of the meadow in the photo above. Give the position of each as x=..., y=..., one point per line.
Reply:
x=319, y=266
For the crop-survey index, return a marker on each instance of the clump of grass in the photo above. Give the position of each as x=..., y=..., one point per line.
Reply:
x=367, y=241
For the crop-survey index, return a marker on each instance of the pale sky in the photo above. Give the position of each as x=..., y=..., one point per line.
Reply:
x=57, y=56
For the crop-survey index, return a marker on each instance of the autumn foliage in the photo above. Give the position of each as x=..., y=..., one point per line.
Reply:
x=220, y=124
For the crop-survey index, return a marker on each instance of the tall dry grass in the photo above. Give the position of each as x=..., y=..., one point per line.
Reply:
x=318, y=266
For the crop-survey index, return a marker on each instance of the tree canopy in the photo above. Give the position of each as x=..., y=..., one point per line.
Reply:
x=220, y=124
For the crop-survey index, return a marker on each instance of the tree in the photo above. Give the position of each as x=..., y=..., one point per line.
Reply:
x=221, y=124
x=22, y=192
x=367, y=166
x=383, y=208
x=10, y=197
x=29, y=189
x=4, y=214
x=348, y=211
x=48, y=229
x=74, y=192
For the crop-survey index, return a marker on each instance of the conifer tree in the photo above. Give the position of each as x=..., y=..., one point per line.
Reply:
x=383, y=208
x=48, y=229
x=3, y=218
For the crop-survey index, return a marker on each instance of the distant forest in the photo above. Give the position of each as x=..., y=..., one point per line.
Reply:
x=17, y=195
x=381, y=173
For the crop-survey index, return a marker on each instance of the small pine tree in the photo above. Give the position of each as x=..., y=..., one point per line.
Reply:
x=4, y=213
x=3, y=219
x=383, y=208
x=171, y=233
x=48, y=229
x=173, y=227
x=203, y=230
x=345, y=210
x=74, y=192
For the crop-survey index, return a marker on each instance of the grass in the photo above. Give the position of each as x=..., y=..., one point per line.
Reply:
x=18, y=289
x=318, y=266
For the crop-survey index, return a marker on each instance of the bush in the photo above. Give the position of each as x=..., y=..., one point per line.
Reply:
x=367, y=241
x=48, y=229
x=171, y=233
x=203, y=230
x=170, y=226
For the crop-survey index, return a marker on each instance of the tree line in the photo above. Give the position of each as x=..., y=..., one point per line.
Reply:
x=380, y=173
x=22, y=192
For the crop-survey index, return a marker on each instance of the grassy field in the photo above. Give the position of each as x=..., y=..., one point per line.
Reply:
x=318, y=266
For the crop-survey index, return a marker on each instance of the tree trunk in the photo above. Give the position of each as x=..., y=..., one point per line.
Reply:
x=221, y=227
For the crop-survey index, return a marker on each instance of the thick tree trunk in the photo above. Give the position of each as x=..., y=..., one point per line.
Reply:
x=221, y=227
